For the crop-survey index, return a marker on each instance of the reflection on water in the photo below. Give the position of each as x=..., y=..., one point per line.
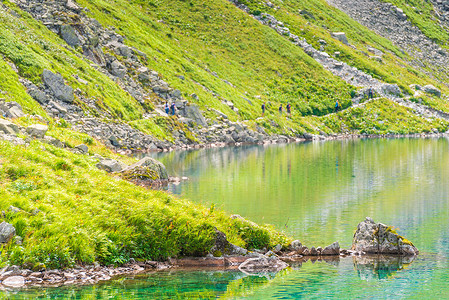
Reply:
x=318, y=193
x=380, y=267
x=181, y=284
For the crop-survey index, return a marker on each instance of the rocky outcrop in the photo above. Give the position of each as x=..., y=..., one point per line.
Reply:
x=55, y=82
x=377, y=238
x=349, y=74
x=390, y=21
x=8, y=127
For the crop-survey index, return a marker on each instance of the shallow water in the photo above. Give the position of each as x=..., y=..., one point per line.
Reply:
x=318, y=193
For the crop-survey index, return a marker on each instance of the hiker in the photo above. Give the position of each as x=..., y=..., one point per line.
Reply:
x=289, y=109
x=337, y=106
x=172, y=108
x=370, y=93
x=263, y=109
x=280, y=109
x=167, y=108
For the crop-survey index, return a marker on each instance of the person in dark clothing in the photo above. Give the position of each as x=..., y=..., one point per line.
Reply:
x=337, y=106
x=289, y=109
x=172, y=108
x=263, y=109
x=370, y=93
x=280, y=109
x=167, y=108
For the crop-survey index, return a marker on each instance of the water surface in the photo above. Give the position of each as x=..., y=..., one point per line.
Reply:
x=318, y=193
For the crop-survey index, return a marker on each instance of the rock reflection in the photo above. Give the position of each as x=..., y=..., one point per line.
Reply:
x=379, y=267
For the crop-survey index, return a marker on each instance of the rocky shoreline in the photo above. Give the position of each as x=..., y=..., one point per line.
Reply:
x=369, y=239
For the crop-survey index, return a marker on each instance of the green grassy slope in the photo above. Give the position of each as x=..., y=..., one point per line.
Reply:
x=72, y=213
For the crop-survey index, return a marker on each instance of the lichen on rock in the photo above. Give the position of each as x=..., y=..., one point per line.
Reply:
x=378, y=238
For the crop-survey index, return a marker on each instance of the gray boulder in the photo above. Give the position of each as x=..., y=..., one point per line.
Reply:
x=8, y=127
x=38, y=95
x=55, y=83
x=262, y=264
x=223, y=247
x=68, y=34
x=341, y=36
x=37, y=130
x=147, y=168
x=295, y=246
x=193, y=112
x=379, y=238
x=390, y=90
x=82, y=148
x=333, y=249
x=110, y=165
x=7, y=232
x=430, y=89
x=117, y=69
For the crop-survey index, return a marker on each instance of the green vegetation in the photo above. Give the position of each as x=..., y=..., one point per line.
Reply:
x=379, y=117
x=72, y=213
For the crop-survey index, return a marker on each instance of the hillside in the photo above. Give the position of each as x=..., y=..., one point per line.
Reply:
x=99, y=72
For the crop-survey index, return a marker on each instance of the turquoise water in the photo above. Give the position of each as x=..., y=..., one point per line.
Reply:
x=317, y=193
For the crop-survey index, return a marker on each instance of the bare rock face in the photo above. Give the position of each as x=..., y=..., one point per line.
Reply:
x=378, y=238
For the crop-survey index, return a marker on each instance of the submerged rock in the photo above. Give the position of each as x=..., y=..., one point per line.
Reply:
x=372, y=237
x=262, y=264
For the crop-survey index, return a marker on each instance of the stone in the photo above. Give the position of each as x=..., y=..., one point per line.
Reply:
x=295, y=246
x=223, y=247
x=390, y=90
x=68, y=34
x=37, y=130
x=110, y=165
x=333, y=249
x=14, y=281
x=155, y=170
x=38, y=95
x=82, y=148
x=430, y=89
x=378, y=238
x=277, y=248
x=313, y=251
x=262, y=264
x=8, y=127
x=117, y=69
x=7, y=232
x=55, y=83
x=193, y=112
x=341, y=36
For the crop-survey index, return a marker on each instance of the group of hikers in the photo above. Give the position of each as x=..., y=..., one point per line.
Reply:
x=170, y=109
x=337, y=105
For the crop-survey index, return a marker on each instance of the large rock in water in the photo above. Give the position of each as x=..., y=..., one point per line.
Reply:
x=378, y=238
x=146, y=169
x=56, y=84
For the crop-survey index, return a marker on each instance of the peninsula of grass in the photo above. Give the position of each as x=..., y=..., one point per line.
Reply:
x=71, y=213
